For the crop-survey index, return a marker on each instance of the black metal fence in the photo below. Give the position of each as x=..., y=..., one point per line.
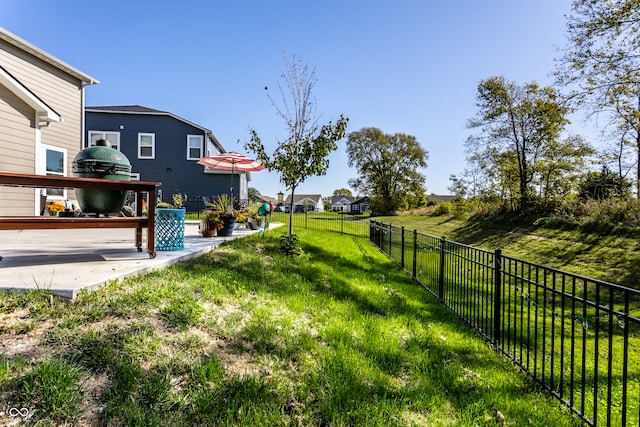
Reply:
x=577, y=337
x=355, y=225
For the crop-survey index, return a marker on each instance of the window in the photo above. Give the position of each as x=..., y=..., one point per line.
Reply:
x=55, y=165
x=194, y=147
x=146, y=145
x=112, y=137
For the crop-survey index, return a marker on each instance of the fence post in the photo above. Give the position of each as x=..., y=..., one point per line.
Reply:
x=497, y=300
x=402, y=246
x=390, y=241
x=441, y=276
x=415, y=251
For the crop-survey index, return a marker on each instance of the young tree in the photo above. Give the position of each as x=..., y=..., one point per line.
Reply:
x=602, y=60
x=305, y=151
x=517, y=124
x=388, y=167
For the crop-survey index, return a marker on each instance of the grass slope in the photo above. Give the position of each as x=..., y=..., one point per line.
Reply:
x=246, y=336
x=606, y=253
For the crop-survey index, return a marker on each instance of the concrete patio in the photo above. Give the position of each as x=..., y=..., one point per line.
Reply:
x=65, y=262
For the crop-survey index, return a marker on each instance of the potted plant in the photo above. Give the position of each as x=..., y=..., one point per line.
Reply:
x=251, y=212
x=178, y=200
x=210, y=223
x=54, y=209
x=224, y=205
x=241, y=219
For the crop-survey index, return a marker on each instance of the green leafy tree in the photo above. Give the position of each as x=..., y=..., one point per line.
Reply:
x=251, y=191
x=602, y=63
x=604, y=185
x=343, y=192
x=560, y=166
x=458, y=186
x=304, y=152
x=517, y=124
x=388, y=168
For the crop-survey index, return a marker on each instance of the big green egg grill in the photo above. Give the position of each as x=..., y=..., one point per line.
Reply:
x=101, y=161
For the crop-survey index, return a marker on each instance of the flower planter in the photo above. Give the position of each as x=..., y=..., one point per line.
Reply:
x=227, y=228
x=208, y=228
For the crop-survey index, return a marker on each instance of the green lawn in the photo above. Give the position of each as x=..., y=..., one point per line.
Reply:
x=247, y=336
x=607, y=253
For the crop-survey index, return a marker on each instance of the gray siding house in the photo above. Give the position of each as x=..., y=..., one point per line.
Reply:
x=165, y=148
x=341, y=203
x=41, y=121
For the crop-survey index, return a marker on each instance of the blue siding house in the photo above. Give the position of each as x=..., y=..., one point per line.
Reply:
x=164, y=147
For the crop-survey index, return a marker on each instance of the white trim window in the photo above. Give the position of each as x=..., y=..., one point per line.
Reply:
x=146, y=145
x=194, y=147
x=112, y=137
x=55, y=159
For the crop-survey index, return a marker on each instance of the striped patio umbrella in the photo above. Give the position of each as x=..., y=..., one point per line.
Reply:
x=231, y=161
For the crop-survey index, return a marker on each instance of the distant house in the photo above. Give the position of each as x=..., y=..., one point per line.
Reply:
x=41, y=121
x=361, y=205
x=341, y=203
x=263, y=199
x=305, y=203
x=166, y=148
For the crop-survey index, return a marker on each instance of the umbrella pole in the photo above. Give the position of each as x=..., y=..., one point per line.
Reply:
x=233, y=164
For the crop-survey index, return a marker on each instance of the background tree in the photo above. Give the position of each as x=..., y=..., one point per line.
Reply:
x=251, y=192
x=342, y=192
x=604, y=185
x=305, y=151
x=602, y=62
x=388, y=168
x=518, y=126
x=559, y=168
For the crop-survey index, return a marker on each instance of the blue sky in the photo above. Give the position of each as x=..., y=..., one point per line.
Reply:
x=402, y=66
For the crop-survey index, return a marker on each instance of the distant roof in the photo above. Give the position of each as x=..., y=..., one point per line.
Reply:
x=364, y=199
x=441, y=198
x=139, y=109
x=25, y=46
x=267, y=199
x=299, y=197
x=336, y=199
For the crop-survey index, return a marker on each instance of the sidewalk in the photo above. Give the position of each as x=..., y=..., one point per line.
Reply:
x=67, y=261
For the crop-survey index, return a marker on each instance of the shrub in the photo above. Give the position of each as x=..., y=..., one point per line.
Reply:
x=290, y=246
x=443, y=209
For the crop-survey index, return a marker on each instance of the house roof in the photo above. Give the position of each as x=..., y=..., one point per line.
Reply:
x=44, y=111
x=25, y=46
x=340, y=199
x=441, y=198
x=317, y=198
x=127, y=109
x=361, y=200
x=139, y=109
x=262, y=198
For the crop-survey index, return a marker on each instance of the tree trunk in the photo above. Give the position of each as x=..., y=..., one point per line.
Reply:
x=637, y=127
x=293, y=189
